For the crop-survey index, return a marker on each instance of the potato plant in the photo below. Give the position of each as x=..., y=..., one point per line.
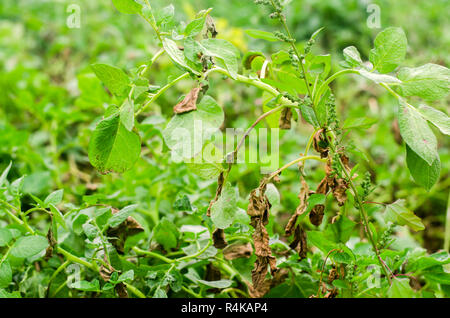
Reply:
x=336, y=243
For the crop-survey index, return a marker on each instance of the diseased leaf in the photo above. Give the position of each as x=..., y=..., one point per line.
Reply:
x=114, y=78
x=397, y=213
x=422, y=173
x=429, y=81
x=113, y=147
x=416, y=132
x=119, y=217
x=389, y=51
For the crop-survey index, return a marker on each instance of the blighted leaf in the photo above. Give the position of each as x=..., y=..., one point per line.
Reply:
x=189, y=103
x=186, y=133
x=114, y=78
x=399, y=214
x=238, y=250
x=113, y=147
x=224, y=51
x=127, y=6
x=28, y=246
x=390, y=49
x=352, y=56
x=285, y=118
x=429, y=81
x=422, y=173
x=416, y=132
x=224, y=209
x=219, y=240
x=436, y=117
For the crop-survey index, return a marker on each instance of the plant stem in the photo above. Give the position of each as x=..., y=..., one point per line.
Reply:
x=272, y=175
x=161, y=91
x=69, y=256
x=135, y=291
x=152, y=254
x=363, y=214
x=325, y=84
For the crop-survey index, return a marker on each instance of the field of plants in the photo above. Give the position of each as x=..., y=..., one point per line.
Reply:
x=224, y=149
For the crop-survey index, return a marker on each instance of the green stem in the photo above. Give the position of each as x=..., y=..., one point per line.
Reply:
x=325, y=84
x=69, y=256
x=162, y=91
x=271, y=176
x=190, y=292
x=152, y=254
x=134, y=290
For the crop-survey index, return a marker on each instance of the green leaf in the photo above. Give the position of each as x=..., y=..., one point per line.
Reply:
x=54, y=198
x=352, y=56
x=438, y=277
x=166, y=233
x=113, y=147
x=397, y=213
x=27, y=246
x=114, y=78
x=263, y=35
x=223, y=283
x=416, y=132
x=186, y=133
x=422, y=173
x=5, y=236
x=379, y=78
x=400, y=288
x=128, y=275
x=224, y=209
x=390, y=50
x=223, y=51
x=177, y=55
x=208, y=164
x=127, y=6
x=429, y=81
x=436, y=117
x=119, y=217
x=359, y=123
x=127, y=114
x=5, y=174
x=317, y=239
x=58, y=216
x=308, y=115
x=195, y=27
x=5, y=274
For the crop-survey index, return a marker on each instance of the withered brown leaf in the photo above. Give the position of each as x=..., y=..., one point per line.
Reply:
x=238, y=250
x=285, y=118
x=189, y=103
x=218, y=237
